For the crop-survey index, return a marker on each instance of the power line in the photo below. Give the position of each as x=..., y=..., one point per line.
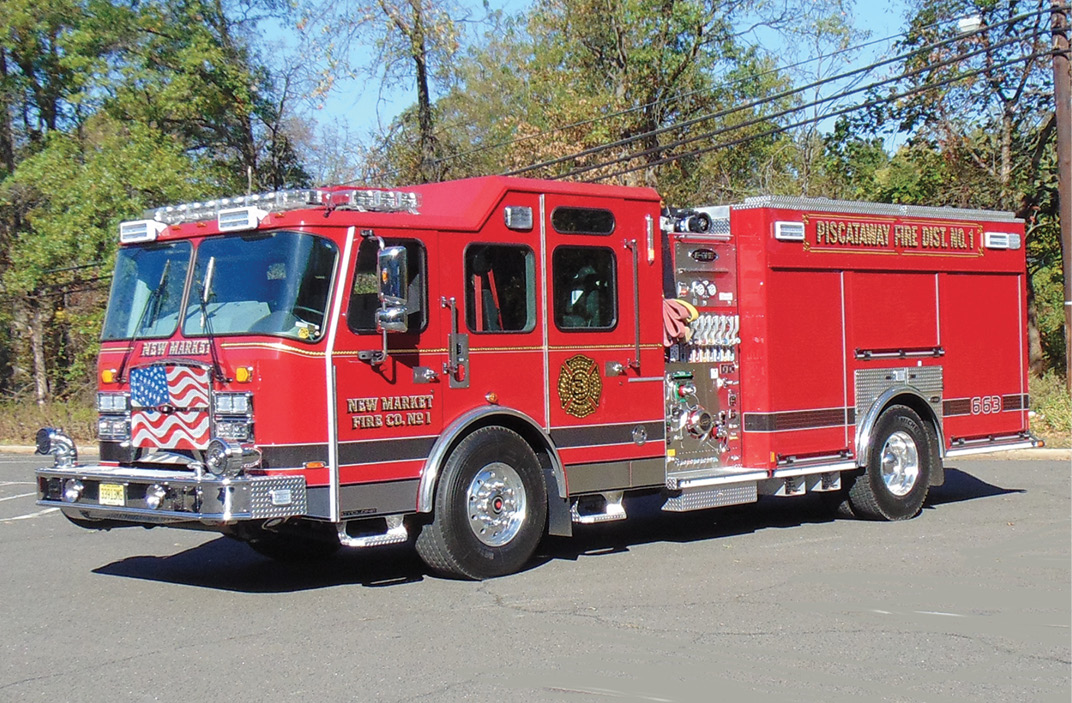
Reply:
x=762, y=101
x=853, y=108
x=688, y=94
x=602, y=118
x=788, y=111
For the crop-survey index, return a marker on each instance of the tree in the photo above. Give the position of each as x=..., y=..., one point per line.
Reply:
x=980, y=115
x=106, y=108
x=412, y=40
x=598, y=87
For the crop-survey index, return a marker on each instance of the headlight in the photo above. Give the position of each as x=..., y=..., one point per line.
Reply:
x=112, y=402
x=236, y=430
x=232, y=403
x=113, y=428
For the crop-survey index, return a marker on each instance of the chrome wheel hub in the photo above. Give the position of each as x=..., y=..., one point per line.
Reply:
x=900, y=463
x=496, y=503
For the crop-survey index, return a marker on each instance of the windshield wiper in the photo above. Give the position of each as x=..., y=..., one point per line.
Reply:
x=206, y=322
x=153, y=299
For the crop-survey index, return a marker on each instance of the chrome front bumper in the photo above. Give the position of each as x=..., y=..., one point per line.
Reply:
x=187, y=497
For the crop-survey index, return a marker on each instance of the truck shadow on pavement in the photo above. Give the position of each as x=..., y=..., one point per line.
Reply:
x=224, y=564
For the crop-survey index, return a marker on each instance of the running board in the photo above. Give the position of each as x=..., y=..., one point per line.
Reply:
x=395, y=533
x=731, y=477
x=717, y=497
x=603, y=507
x=968, y=450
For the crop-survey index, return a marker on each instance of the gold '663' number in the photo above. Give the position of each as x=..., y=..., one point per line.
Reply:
x=985, y=405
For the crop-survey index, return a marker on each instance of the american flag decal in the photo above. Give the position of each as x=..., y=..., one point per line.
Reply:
x=170, y=407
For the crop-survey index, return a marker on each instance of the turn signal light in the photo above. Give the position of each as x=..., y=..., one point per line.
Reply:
x=244, y=374
x=109, y=375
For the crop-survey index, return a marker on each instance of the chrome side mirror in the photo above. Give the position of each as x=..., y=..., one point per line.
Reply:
x=393, y=275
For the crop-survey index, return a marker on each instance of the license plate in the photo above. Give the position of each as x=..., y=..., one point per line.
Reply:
x=112, y=494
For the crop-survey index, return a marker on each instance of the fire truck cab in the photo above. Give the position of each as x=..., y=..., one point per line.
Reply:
x=474, y=364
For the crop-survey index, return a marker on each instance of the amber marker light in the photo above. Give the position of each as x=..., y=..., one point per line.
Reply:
x=109, y=376
x=315, y=465
x=243, y=374
x=492, y=398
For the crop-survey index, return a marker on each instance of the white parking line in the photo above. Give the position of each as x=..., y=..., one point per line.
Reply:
x=21, y=495
x=16, y=483
x=39, y=513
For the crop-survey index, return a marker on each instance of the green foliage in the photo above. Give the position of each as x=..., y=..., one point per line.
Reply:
x=71, y=195
x=979, y=109
x=570, y=77
x=108, y=107
x=1053, y=409
x=19, y=422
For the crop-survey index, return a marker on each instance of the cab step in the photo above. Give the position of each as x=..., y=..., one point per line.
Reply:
x=375, y=532
x=602, y=507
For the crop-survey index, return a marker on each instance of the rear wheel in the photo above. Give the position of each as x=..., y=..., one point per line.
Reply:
x=895, y=482
x=490, y=508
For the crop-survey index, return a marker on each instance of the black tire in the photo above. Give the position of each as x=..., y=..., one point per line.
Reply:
x=496, y=472
x=836, y=503
x=895, y=482
x=292, y=548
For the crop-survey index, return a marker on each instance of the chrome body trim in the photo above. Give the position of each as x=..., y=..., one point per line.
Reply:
x=546, y=312
x=894, y=382
x=218, y=501
x=726, y=477
x=844, y=353
x=814, y=469
x=988, y=448
x=713, y=497
x=329, y=378
x=430, y=471
x=861, y=208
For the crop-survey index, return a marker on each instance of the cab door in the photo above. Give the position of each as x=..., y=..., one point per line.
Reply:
x=388, y=406
x=492, y=313
x=605, y=363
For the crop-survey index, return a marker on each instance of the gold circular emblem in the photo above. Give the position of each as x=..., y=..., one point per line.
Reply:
x=579, y=386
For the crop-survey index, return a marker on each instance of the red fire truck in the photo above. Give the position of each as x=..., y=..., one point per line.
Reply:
x=475, y=364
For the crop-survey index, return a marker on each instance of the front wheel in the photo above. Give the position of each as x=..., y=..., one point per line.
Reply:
x=895, y=482
x=490, y=508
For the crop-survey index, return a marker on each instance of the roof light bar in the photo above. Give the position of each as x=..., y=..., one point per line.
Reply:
x=275, y=201
x=140, y=231
x=384, y=201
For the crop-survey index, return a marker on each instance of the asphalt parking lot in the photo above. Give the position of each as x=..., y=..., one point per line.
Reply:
x=970, y=601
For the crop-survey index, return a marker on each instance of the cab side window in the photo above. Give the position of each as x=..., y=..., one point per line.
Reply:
x=500, y=288
x=585, y=288
x=364, y=289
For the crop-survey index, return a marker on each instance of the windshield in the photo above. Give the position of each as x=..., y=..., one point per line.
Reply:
x=147, y=291
x=275, y=283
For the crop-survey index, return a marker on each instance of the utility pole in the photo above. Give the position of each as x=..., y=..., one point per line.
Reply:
x=1062, y=93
